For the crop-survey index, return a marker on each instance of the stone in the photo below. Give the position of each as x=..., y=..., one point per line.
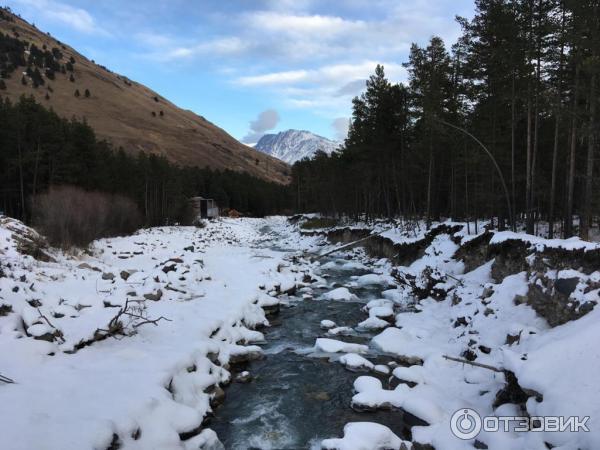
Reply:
x=124, y=275
x=566, y=286
x=243, y=377
x=154, y=296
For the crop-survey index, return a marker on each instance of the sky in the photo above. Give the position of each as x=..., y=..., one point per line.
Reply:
x=251, y=66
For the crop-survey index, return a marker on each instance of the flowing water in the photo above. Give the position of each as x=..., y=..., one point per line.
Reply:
x=296, y=399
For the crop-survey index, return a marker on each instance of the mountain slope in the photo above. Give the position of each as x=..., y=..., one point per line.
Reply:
x=123, y=112
x=293, y=145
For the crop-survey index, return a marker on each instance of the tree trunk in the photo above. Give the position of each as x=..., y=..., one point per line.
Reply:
x=528, y=198
x=553, y=182
x=513, y=147
x=571, y=178
x=557, y=111
x=585, y=221
x=429, y=184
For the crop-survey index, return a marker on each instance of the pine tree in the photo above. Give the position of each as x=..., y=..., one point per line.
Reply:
x=430, y=83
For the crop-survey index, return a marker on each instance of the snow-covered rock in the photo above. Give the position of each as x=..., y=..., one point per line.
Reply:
x=327, y=345
x=341, y=293
x=327, y=324
x=353, y=361
x=364, y=436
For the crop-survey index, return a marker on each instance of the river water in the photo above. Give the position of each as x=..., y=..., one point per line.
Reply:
x=296, y=399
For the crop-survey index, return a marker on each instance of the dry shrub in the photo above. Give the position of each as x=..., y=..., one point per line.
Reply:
x=70, y=216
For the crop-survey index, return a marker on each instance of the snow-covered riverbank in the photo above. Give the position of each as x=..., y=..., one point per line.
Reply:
x=521, y=305
x=126, y=347
x=150, y=383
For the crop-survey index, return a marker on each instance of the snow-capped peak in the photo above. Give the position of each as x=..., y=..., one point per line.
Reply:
x=293, y=145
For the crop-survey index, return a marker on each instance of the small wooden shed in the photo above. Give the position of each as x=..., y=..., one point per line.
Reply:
x=203, y=208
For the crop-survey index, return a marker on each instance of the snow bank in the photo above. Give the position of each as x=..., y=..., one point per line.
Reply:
x=540, y=243
x=153, y=381
x=327, y=345
x=364, y=436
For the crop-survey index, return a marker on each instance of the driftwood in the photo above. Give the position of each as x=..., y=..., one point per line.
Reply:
x=472, y=363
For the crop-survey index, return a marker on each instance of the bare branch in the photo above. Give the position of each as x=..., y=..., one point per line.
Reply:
x=6, y=379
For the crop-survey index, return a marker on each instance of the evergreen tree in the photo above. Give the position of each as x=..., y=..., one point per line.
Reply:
x=521, y=83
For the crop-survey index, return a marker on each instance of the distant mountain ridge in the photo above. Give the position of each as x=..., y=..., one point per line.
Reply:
x=293, y=145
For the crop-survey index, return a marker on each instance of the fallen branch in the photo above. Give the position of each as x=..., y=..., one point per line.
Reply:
x=6, y=379
x=475, y=364
x=337, y=249
x=118, y=328
x=57, y=333
x=146, y=320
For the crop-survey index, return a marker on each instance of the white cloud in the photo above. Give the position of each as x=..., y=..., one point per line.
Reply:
x=326, y=90
x=336, y=74
x=320, y=26
x=266, y=120
x=165, y=48
x=76, y=18
x=303, y=54
x=290, y=76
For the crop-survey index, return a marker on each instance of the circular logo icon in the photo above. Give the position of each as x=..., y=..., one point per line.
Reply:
x=465, y=423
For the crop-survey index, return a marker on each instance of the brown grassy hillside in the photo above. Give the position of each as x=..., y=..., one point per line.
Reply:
x=128, y=114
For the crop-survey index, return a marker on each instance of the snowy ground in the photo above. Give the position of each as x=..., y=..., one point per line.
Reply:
x=188, y=301
x=469, y=315
x=151, y=382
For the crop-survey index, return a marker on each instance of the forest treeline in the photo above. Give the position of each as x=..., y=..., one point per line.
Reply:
x=40, y=150
x=521, y=83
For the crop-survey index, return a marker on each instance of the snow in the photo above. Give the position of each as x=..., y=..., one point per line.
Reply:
x=364, y=436
x=354, y=361
x=326, y=324
x=540, y=243
x=561, y=364
x=158, y=378
x=373, y=278
x=340, y=330
x=373, y=323
x=209, y=296
x=327, y=345
x=381, y=311
x=293, y=145
x=339, y=294
x=480, y=315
